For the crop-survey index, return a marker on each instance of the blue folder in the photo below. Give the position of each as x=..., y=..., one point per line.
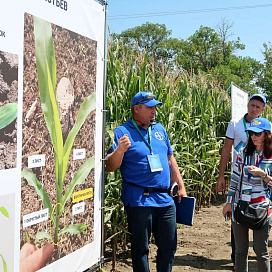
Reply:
x=185, y=210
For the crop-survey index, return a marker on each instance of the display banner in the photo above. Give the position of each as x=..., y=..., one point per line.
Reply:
x=239, y=100
x=51, y=123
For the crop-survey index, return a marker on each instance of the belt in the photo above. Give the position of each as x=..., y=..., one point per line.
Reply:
x=148, y=190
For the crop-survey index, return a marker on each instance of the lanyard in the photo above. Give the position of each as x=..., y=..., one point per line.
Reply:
x=149, y=136
x=244, y=121
x=257, y=165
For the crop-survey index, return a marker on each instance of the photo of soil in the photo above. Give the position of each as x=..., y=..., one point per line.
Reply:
x=75, y=80
x=8, y=96
x=7, y=226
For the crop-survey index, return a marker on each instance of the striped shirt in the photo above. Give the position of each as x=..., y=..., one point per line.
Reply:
x=260, y=195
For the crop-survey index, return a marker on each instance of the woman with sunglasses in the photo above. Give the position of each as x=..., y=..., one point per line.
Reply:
x=254, y=169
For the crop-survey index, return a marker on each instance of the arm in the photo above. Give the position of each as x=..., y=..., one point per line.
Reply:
x=256, y=171
x=225, y=154
x=175, y=176
x=235, y=181
x=114, y=160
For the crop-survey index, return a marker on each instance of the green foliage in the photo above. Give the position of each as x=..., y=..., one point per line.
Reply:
x=8, y=113
x=265, y=82
x=206, y=51
x=4, y=263
x=46, y=67
x=148, y=36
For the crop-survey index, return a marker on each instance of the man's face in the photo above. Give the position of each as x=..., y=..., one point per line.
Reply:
x=144, y=114
x=255, y=108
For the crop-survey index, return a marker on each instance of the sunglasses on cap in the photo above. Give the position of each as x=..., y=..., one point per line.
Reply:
x=257, y=134
x=148, y=97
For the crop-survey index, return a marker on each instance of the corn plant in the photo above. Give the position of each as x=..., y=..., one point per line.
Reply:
x=190, y=114
x=46, y=68
x=8, y=114
x=4, y=211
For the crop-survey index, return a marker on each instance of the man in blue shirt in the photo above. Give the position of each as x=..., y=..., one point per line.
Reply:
x=144, y=155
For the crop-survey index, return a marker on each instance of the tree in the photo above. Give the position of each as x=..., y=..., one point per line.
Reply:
x=148, y=36
x=228, y=48
x=266, y=81
x=201, y=50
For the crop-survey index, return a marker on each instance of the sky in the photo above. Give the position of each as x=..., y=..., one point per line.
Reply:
x=253, y=25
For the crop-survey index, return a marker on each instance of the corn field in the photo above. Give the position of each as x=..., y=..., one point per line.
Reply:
x=191, y=114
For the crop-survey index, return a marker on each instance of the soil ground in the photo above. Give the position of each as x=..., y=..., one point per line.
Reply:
x=203, y=247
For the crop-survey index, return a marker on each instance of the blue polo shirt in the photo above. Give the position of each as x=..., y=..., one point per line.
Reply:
x=135, y=167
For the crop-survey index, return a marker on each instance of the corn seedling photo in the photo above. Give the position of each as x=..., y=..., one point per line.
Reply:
x=62, y=141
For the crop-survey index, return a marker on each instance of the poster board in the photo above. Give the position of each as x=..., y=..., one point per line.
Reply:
x=51, y=79
x=239, y=100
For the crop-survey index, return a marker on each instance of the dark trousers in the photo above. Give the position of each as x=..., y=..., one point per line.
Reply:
x=142, y=221
x=260, y=246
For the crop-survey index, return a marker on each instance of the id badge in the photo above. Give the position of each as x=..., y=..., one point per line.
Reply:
x=154, y=162
x=246, y=193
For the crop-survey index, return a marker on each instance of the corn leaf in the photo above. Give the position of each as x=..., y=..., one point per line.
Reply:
x=32, y=181
x=73, y=229
x=4, y=211
x=27, y=237
x=8, y=114
x=41, y=235
x=46, y=67
x=4, y=263
x=86, y=108
x=79, y=177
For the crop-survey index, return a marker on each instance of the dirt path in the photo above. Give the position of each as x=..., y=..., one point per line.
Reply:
x=202, y=247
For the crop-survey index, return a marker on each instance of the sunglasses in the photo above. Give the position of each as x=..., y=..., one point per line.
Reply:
x=148, y=97
x=257, y=134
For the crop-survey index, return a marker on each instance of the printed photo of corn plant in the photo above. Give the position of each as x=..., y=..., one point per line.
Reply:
x=7, y=221
x=58, y=116
x=8, y=109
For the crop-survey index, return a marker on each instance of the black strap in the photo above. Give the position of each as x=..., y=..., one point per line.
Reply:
x=241, y=181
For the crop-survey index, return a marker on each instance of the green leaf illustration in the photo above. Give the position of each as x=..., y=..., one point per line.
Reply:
x=4, y=211
x=32, y=181
x=8, y=114
x=5, y=267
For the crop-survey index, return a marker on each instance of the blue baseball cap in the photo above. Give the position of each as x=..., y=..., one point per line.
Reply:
x=259, y=124
x=260, y=96
x=146, y=98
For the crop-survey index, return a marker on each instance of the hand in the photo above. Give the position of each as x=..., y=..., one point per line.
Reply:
x=33, y=258
x=227, y=208
x=255, y=171
x=220, y=185
x=181, y=193
x=124, y=143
